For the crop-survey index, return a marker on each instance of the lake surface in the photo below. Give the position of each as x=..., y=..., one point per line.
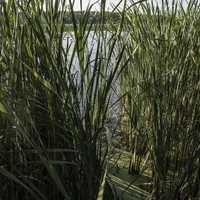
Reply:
x=69, y=42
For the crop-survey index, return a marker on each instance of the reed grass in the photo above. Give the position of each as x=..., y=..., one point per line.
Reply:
x=54, y=101
x=162, y=101
x=56, y=98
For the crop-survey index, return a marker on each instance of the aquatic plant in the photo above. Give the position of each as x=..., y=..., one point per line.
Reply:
x=55, y=98
x=162, y=101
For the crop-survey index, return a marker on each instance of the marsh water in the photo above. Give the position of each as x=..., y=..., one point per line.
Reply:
x=92, y=43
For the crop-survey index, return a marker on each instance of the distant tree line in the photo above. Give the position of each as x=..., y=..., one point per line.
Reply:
x=94, y=17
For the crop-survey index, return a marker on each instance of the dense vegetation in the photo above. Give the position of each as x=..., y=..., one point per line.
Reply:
x=162, y=102
x=94, y=17
x=58, y=98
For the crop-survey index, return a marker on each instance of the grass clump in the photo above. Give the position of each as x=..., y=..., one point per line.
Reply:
x=54, y=101
x=162, y=101
x=58, y=94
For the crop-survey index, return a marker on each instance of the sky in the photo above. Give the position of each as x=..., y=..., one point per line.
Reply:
x=109, y=3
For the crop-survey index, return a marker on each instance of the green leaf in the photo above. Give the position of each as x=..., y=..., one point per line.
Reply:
x=2, y=108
